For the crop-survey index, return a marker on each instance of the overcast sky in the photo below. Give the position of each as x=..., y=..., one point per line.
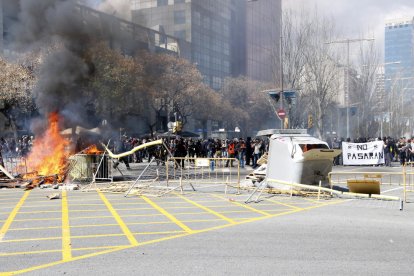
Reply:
x=357, y=17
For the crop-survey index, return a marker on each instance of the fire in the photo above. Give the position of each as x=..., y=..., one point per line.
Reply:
x=49, y=152
x=93, y=149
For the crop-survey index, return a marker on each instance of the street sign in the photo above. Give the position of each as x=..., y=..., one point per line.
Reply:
x=289, y=94
x=281, y=113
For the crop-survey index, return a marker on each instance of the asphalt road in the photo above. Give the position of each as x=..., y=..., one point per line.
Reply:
x=205, y=233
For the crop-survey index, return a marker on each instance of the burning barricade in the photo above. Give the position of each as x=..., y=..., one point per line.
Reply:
x=52, y=160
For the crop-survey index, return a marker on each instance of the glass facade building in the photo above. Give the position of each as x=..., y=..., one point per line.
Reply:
x=1, y=26
x=399, y=54
x=228, y=37
x=263, y=40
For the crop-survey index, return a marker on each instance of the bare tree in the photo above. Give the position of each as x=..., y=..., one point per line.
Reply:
x=245, y=95
x=296, y=33
x=365, y=97
x=320, y=78
x=16, y=83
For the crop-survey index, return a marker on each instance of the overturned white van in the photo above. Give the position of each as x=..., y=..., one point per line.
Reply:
x=297, y=157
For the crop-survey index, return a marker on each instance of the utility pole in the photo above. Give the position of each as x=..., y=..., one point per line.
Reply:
x=348, y=41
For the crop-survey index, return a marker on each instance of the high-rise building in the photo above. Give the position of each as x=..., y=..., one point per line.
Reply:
x=263, y=26
x=399, y=54
x=1, y=26
x=228, y=37
x=9, y=10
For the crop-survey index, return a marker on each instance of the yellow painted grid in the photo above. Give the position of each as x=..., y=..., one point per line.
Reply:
x=220, y=209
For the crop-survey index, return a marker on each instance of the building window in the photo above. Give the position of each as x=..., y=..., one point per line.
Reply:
x=179, y=17
x=162, y=3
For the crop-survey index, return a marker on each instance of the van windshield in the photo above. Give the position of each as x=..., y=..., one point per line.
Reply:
x=306, y=147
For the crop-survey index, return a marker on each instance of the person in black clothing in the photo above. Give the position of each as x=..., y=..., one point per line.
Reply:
x=180, y=151
x=336, y=145
x=249, y=151
x=120, y=148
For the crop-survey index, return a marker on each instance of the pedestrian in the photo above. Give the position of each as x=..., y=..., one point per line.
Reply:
x=257, y=145
x=231, y=150
x=242, y=152
x=120, y=148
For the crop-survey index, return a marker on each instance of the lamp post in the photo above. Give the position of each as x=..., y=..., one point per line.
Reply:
x=348, y=41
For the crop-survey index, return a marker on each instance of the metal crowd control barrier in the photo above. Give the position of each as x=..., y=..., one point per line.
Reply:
x=368, y=180
x=384, y=178
x=214, y=171
x=408, y=179
x=15, y=165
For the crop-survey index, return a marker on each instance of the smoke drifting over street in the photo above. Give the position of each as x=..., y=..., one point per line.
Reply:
x=54, y=23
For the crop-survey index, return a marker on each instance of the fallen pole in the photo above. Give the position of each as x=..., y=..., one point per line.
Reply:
x=332, y=191
x=143, y=146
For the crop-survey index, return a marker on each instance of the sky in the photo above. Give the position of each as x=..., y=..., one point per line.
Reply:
x=358, y=18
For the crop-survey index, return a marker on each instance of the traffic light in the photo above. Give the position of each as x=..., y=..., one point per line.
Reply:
x=274, y=95
x=177, y=126
x=286, y=123
x=310, y=121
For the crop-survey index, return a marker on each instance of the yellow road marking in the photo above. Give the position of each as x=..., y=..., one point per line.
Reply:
x=57, y=250
x=153, y=241
x=66, y=244
x=168, y=215
x=12, y=215
x=207, y=209
x=245, y=206
x=119, y=220
x=284, y=204
x=112, y=224
x=315, y=201
x=93, y=236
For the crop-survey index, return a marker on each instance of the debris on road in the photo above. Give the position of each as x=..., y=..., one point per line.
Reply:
x=54, y=196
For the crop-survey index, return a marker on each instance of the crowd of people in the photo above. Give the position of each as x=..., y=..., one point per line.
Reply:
x=247, y=152
x=10, y=147
x=395, y=150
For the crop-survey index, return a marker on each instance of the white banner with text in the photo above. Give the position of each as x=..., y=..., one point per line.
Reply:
x=371, y=153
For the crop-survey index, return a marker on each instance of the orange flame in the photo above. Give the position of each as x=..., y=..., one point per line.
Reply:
x=93, y=149
x=49, y=152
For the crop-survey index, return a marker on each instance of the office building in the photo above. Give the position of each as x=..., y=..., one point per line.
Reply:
x=263, y=26
x=228, y=38
x=399, y=54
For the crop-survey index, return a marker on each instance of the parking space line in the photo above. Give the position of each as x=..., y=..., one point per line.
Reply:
x=12, y=215
x=57, y=250
x=66, y=244
x=111, y=224
x=207, y=209
x=245, y=206
x=156, y=240
x=326, y=204
x=119, y=220
x=33, y=212
x=35, y=228
x=29, y=252
x=168, y=215
x=93, y=236
x=283, y=204
x=313, y=200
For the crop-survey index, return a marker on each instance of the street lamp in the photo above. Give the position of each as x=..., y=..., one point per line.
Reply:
x=348, y=41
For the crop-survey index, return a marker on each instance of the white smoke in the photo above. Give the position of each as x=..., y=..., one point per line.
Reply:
x=118, y=8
